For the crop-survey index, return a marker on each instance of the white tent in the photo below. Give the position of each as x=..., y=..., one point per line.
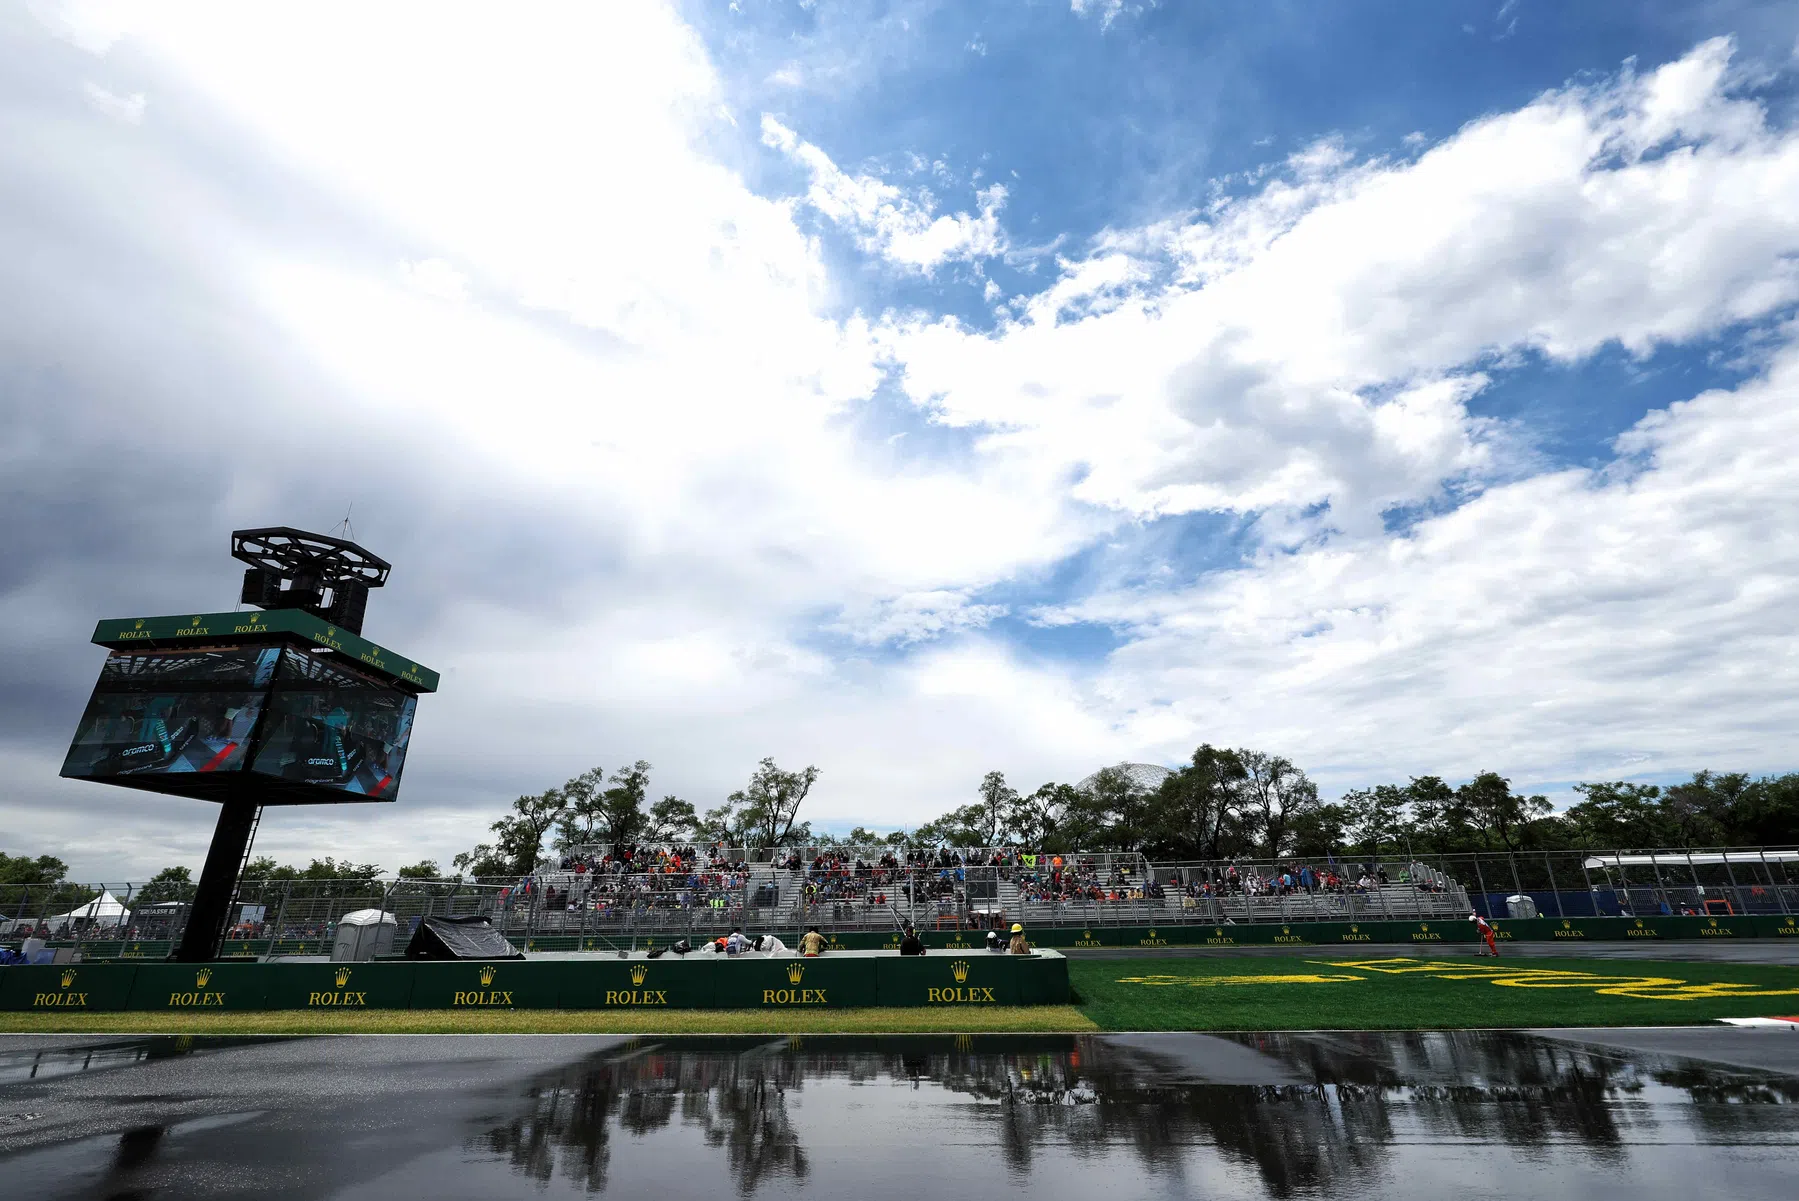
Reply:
x=103, y=910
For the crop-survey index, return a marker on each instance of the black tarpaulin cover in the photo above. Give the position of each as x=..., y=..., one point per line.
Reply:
x=459, y=938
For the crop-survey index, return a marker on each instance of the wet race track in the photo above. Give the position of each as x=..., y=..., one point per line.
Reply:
x=1637, y=1114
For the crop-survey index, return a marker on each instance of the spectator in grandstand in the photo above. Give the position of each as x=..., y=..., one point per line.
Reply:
x=1018, y=945
x=813, y=943
x=910, y=943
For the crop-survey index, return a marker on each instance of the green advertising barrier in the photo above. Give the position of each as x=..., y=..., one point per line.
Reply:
x=669, y=982
x=961, y=980
x=1042, y=980
x=337, y=985
x=498, y=984
x=214, y=987
x=1777, y=926
x=1714, y=927
x=66, y=988
x=795, y=983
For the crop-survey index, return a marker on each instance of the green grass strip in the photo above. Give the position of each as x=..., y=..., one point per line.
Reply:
x=1390, y=992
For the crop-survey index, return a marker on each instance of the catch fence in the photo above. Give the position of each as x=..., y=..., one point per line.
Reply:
x=876, y=888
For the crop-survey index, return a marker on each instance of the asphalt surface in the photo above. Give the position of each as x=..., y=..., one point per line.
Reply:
x=1638, y=1114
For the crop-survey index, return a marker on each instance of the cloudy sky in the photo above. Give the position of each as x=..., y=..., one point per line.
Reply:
x=915, y=389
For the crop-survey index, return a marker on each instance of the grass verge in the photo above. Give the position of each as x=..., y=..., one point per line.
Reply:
x=1035, y=1019
x=1387, y=992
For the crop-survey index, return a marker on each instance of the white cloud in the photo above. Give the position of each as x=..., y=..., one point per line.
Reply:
x=886, y=221
x=1314, y=343
x=129, y=109
x=638, y=416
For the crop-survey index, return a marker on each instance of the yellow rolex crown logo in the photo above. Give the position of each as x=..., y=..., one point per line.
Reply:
x=959, y=969
x=1218, y=932
x=1714, y=921
x=140, y=624
x=68, y=978
x=1567, y=925
x=202, y=976
x=196, y=621
x=1086, y=934
x=794, y=972
x=487, y=975
x=1285, y=930
x=638, y=972
x=342, y=976
x=330, y=631
x=1425, y=926
x=1152, y=933
x=1639, y=923
x=1355, y=929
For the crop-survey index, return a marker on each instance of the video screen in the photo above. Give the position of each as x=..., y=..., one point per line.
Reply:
x=167, y=712
x=330, y=726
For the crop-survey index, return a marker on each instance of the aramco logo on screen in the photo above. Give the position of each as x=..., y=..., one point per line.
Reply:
x=796, y=973
x=486, y=994
x=637, y=995
x=339, y=999
x=962, y=993
x=200, y=998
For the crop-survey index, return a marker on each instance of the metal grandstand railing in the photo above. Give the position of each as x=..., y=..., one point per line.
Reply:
x=871, y=888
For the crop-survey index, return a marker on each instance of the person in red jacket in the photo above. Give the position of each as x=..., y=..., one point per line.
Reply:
x=1486, y=932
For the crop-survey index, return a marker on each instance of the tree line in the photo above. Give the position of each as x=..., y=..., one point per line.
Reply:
x=1222, y=804
x=1238, y=803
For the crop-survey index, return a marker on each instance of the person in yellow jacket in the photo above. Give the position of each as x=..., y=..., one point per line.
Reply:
x=812, y=943
x=1018, y=946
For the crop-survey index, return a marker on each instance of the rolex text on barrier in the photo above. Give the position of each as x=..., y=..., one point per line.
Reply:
x=74, y=988
x=203, y=987
x=502, y=984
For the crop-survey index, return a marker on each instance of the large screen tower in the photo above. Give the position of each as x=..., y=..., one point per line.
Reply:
x=286, y=706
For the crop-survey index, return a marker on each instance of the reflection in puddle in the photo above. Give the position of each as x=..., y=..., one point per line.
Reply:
x=1365, y=1110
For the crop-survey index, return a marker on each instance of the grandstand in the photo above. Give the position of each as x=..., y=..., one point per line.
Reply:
x=603, y=897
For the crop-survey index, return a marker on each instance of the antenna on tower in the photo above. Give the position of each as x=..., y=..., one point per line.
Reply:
x=349, y=531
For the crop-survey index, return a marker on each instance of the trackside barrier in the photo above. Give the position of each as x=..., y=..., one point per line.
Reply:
x=946, y=979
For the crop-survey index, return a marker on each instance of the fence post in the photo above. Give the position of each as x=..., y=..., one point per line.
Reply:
x=1779, y=892
x=1728, y=875
x=1659, y=884
x=1486, y=898
x=1554, y=888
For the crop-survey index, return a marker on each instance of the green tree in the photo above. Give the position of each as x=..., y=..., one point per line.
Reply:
x=24, y=870
x=1198, y=812
x=1320, y=832
x=424, y=869
x=1277, y=794
x=169, y=884
x=671, y=819
x=768, y=809
x=586, y=821
x=1036, y=819
x=1501, y=813
x=1619, y=814
x=1376, y=817
x=481, y=862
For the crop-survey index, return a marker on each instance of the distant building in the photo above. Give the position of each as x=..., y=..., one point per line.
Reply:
x=1146, y=776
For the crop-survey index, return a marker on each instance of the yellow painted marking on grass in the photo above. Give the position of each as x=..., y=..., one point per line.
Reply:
x=1645, y=988
x=1218, y=981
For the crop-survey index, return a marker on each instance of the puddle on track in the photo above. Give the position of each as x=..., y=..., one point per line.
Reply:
x=1466, y=1114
